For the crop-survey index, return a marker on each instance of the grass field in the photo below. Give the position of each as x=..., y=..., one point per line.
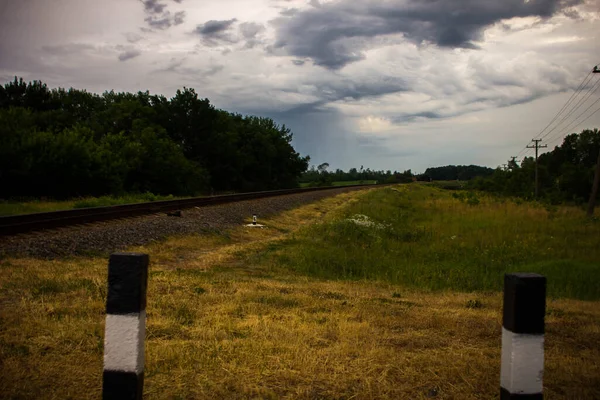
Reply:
x=433, y=239
x=36, y=206
x=413, y=311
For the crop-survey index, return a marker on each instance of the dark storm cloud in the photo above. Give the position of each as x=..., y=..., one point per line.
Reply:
x=129, y=54
x=214, y=32
x=334, y=34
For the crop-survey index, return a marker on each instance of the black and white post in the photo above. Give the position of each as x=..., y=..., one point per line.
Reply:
x=125, y=330
x=254, y=219
x=522, y=366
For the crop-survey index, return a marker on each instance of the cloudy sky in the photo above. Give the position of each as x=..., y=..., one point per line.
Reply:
x=389, y=84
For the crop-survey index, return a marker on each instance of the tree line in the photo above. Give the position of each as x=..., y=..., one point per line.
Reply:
x=320, y=176
x=68, y=143
x=565, y=173
x=455, y=173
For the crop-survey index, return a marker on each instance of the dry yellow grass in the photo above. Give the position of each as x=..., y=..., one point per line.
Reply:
x=223, y=325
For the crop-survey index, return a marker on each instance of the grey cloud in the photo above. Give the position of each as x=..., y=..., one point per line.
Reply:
x=67, y=49
x=153, y=6
x=250, y=29
x=166, y=20
x=359, y=89
x=214, y=70
x=177, y=66
x=427, y=114
x=173, y=65
x=178, y=17
x=178, y=1
x=298, y=62
x=572, y=13
x=330, y=91
x=160, y=18
x=289, y=12
x=214, y=32
x=334, y=34
x=133, y=37
x=381, y=147
x=213, y=27
x=126, y=52
x=159, y=22
x=251, y=32
x=129, y=54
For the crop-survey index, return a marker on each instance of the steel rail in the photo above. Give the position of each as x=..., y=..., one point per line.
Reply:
x=24, y=223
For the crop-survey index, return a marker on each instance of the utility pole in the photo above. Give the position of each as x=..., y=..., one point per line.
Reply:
x=536, y=146
x=592, y=203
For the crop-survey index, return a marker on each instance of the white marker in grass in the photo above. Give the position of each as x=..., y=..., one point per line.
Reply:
x=522, y=367
x=254, y=223
x=123, y=376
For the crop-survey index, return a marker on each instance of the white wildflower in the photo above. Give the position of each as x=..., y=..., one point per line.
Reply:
x=363, y=220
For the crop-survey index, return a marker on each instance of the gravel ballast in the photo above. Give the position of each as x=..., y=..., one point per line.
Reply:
x=106, y=237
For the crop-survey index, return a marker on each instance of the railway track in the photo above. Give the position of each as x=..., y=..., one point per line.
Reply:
x=15, y=224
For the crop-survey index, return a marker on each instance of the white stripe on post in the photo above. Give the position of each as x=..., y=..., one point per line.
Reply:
x=124, y=334
x=125, y=329
x=522, y=368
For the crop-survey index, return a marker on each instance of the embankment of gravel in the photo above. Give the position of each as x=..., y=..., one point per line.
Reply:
x=107, y=237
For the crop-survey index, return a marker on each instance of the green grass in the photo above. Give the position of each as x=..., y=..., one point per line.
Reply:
x=450, y=185
x=428, y=238
x=224, y=322
x=36, y=206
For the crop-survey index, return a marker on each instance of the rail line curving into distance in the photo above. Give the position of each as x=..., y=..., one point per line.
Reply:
x=15, y=224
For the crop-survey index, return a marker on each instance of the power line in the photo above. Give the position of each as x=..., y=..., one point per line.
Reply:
x=575, y=93
x=566, y=130
x=571, y=99
x=569, y=103
x=579, y=104
x=586, y=118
